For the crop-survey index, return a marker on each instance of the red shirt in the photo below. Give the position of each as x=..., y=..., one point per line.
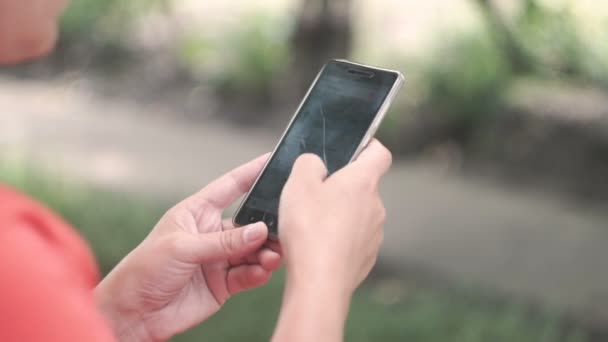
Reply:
x=47, y=275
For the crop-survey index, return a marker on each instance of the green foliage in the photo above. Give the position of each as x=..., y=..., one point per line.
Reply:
x=421, y=316
x=594, y=63
x=114, y=223
x=82, y=17
x=246, y=59
x=433, y=316
x=100, y=22
x=553, y=41
x=551, y=38
x=465, y=79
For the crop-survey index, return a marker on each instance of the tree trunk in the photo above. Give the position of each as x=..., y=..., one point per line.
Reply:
x=519, y=60
x=323, y=32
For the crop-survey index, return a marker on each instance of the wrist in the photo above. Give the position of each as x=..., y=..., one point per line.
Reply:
x=320, y=272
x=313, y=310
x=126, y=325
x=326, y=293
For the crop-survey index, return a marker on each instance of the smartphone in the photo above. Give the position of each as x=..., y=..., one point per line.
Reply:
x=337, y=118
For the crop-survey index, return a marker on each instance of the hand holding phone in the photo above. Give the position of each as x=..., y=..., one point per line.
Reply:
x=344, y=211
x=335, y=121
x=331, y=231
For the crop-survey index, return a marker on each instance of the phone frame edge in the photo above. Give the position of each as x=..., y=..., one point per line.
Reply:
x=381, y=114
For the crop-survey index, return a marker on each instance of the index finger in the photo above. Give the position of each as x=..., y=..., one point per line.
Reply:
x=223, y=191
x=374, y=160
x=308, y=167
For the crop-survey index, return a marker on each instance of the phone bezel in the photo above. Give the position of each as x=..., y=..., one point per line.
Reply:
x=371, y=131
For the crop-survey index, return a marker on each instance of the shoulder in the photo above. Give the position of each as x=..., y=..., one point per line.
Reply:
x=47, y=276
x=32, y=224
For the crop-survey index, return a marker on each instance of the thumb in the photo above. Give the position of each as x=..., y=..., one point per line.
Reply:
x=219, y=246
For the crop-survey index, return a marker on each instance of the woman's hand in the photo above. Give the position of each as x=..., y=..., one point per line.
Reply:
x=331, y=230
x=333, y=227
x=189, y=265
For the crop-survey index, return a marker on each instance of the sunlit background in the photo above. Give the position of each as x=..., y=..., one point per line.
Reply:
x=497, y=227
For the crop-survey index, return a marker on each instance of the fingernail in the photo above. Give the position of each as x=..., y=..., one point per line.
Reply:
x=254, y=232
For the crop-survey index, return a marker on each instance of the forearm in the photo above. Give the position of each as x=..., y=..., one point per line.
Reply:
x=312, y=311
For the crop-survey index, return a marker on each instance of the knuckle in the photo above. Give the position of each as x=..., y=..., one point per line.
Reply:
x=227, y=241
x=381, y=147
x=374, y=261
x=242, y=282
x=380, y=237
x=374, y=257
x=385, y=152
x=381, y=213
x=172, y=244
x=172, y=212
x=389, y=156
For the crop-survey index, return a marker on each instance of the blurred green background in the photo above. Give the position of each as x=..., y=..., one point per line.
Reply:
x=497, y=201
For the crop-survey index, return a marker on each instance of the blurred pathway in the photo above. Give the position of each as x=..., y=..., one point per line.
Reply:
x=463, y=230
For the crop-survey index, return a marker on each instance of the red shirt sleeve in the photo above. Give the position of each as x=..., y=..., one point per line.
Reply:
x=47, y=275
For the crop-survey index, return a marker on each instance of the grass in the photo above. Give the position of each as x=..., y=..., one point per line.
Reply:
x=114, y=223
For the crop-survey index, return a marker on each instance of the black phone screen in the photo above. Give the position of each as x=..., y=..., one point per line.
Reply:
x=331, y=123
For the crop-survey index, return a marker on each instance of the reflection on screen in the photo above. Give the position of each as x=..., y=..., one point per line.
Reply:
x=331, y=124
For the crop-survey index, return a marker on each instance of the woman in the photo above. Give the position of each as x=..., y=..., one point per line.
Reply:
x=192, y=261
